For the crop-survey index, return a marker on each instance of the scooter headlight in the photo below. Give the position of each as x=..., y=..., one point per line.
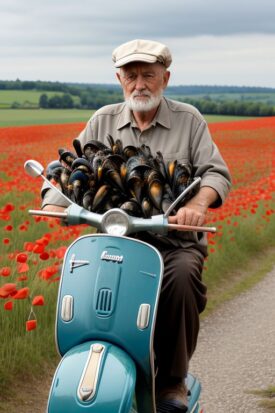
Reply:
x=115, y=222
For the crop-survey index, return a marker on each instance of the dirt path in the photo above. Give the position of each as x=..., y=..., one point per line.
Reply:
x=236, y=351
x=235, y=354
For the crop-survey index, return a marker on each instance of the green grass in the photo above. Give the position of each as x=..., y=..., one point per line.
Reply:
x=7, y=97
x=243, y=256
x=22, y=117
x=225, y=118
x=267, y=398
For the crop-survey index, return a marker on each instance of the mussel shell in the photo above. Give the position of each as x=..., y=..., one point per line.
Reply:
x=147, y=207
x=51, y=167
x=137, y=162
x=66, y=156
x=88, y=198
x=101, y=196
x=130, y=151
x=132, y=207
x=94, y=145
x=82, y=162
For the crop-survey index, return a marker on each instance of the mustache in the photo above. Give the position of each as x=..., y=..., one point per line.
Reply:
x=143, y=93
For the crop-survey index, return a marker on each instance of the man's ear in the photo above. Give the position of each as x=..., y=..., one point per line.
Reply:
x=166, y=77
x=118, y=77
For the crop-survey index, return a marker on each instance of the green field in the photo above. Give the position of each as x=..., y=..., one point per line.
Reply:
x=28, y=97
x=267, y=98
x=21, y=117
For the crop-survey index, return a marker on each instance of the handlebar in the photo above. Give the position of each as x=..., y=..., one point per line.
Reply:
x=117, y=222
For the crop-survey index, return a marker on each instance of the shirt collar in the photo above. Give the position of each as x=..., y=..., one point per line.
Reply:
x=162, y=116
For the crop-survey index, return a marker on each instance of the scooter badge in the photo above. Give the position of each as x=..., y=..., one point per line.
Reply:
x=77, y=263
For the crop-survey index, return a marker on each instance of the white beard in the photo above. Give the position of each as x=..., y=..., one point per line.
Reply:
x=137, y=105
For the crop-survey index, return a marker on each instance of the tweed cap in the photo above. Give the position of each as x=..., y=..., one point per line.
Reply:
x=140, y=50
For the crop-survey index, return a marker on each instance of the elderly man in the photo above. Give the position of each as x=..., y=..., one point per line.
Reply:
x=180, y=132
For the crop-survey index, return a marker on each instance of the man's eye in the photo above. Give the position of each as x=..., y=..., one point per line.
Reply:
x=130, y=78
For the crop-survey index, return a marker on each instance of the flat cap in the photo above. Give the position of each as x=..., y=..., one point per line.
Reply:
x=140, y=50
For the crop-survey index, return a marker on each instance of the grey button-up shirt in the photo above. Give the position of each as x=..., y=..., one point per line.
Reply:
x=180, y=132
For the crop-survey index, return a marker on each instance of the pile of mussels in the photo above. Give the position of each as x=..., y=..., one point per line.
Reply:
x=99, y=178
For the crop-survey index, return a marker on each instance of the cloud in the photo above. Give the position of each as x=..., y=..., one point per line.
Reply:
x=73, y=40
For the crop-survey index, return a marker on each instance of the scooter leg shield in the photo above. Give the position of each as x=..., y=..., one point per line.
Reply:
x=96, y=377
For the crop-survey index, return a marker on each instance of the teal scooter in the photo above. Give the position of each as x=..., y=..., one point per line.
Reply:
x=106, y=313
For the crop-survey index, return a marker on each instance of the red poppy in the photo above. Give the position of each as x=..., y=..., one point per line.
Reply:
x=31, y=325
x=22, y=267
x=5, y=271
x=22, y=293
x=22, y=278
x=8, y=305
x=44, y=256
x=22, y=257
x=38, y=249
x=28, y=246
x=38, y=300
x=7, y=289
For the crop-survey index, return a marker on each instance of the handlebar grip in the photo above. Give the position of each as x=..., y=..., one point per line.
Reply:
x=191, y=228
x=48, y=213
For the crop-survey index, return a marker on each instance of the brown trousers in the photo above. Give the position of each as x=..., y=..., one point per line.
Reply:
x=182, y=298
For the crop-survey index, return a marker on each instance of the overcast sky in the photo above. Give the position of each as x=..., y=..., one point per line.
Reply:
x=222, y=42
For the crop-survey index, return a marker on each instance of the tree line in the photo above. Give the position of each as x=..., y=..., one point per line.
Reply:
x=94, y=96
x=231, y=107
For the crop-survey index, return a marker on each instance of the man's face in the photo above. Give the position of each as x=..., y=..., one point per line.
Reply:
x=143, y=84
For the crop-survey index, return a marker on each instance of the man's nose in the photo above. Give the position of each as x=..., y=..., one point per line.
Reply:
x=140, y=83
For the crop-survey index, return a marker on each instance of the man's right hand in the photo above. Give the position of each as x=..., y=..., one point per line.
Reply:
x=53, y=208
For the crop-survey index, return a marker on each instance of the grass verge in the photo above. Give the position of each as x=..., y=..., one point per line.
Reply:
x=267, y=397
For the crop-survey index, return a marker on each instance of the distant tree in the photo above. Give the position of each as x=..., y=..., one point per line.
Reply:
x=67, y=101
x=55, y=102
x=44, y=101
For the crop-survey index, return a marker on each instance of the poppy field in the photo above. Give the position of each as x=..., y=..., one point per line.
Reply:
x=31, y=249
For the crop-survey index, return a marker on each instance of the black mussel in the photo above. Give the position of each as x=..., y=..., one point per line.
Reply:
x=147, y=207
x=83, y=164
x=171, y=166
x=88, y=198
x=101, y=196
x=77, y=185
x=130, y=151
x=139, y=163
x=113, y=177
x=77, y=147
x=66, y=157
x=159, y=160
x=155, y=185
x=181, y=178
x=116, y=146
x=51, y=167
x=91, y=147
x=132, y=207
x=135, y=184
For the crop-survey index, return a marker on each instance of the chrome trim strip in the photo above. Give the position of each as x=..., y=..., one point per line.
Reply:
x=194, y=407
x=143, y=316
x=67, y=308
x=89, y=379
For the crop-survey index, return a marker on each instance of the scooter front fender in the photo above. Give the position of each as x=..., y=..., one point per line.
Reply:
x=95, y=376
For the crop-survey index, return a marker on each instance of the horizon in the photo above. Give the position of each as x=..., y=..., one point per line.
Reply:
x=118, y=85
